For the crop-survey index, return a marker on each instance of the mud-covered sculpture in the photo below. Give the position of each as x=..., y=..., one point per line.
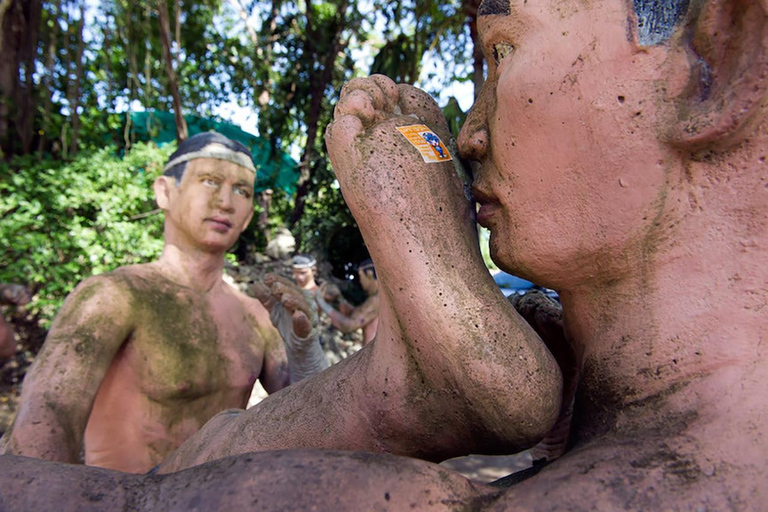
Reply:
x=622, y=161
x=139, y=359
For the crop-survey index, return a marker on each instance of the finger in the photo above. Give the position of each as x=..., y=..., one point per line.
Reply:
x=272, y=278
x=278, y=284
x=301, y=324
x=296, y=302
x=264, y=295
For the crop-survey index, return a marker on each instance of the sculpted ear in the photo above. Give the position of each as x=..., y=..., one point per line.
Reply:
x=726, y=93
x=162, y=191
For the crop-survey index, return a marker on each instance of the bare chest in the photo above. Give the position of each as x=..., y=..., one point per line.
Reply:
x=187, y=346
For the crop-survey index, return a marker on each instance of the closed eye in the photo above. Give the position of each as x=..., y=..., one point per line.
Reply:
x=501, y=50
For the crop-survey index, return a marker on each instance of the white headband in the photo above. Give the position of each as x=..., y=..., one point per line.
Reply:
x=216, y=151
x=302, y=262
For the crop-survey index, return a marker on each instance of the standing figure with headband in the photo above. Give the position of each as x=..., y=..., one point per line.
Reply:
x=349, y=318
x=304, y=272
x=141, y=358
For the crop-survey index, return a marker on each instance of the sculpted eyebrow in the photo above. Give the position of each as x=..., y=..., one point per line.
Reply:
x=489, y=7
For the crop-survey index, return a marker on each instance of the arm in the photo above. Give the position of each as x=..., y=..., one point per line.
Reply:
x=291, y=316
x=275, y=372
x=61, y=385
x=358, y=318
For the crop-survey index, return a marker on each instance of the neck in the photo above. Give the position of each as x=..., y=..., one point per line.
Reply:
x=678, y=337
x=194, y=269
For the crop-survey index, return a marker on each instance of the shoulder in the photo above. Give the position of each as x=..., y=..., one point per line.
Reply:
x=101, y=294
x=117, y=282
x=253, y=307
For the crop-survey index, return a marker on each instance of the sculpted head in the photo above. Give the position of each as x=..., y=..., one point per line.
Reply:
x=206, y=192
x=303, y=269
x=602, y=125
x=367, y=274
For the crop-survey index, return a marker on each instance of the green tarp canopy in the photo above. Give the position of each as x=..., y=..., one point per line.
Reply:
x=274, y=168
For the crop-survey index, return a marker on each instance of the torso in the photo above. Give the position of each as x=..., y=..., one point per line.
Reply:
x=190, y=356
x=629, y=473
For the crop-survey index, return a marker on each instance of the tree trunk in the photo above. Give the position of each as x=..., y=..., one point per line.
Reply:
x=165, y=39
x=74, y=102
x=177, y=28
x=47, y=85
x=478, y=61
x=319, y=81
x=19, y=29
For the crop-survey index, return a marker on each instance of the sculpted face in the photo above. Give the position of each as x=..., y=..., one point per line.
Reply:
x=212, y=205
x=572, y=173
x=304, y=277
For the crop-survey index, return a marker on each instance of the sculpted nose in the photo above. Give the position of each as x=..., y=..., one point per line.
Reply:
x=223, y=199
x=474, y=138
x=473, y=142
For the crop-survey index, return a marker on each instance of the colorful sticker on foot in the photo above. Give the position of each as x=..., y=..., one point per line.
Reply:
x=427, y=142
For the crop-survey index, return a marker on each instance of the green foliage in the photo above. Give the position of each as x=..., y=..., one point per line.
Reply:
x=65, y=221
x=485, y=248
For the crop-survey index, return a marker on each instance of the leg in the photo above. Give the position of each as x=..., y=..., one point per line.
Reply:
x=453, y=369
x=295, y=480
x=458, y=346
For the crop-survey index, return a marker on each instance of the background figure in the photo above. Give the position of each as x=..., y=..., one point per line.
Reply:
x=140, y=358
x=304, y=271
x=10, y=295
x=349, y=318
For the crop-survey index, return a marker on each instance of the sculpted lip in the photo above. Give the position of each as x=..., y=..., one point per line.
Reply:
x=489, y=207
x=220, y=223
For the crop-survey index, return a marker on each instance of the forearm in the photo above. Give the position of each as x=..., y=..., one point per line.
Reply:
x=305, y=355
x=345, y=308
x=42, y=435
x=319, y=412
x=339, y=320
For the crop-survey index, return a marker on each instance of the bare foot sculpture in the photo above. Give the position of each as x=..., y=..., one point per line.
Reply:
x=453, y=369
x=642, y=125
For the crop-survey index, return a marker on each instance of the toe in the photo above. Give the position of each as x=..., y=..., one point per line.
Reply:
x=358, y=103
x=389, y=88
x=414, y=101
x=340, y=138
x=368, y=85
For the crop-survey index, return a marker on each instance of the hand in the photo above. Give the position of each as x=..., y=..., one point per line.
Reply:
x=329, y=292
x=279, y=292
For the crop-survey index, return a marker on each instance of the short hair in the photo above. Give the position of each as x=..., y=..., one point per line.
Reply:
x=657, y=19
x=198, y=142
x=366, y=266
